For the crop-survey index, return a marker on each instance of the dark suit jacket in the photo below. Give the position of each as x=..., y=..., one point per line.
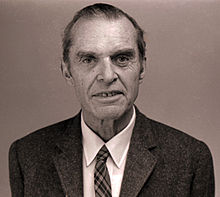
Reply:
x=161, y=161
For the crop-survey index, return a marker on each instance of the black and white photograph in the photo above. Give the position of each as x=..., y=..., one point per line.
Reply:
x=110, y=98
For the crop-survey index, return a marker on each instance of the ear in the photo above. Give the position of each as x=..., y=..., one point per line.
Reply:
x=66, y=73
x=142, y=71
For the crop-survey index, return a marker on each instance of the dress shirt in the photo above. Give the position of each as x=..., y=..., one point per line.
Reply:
x=117, y=146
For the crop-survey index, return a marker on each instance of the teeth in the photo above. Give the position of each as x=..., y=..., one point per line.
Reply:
x=107, y=94
x=104, y=94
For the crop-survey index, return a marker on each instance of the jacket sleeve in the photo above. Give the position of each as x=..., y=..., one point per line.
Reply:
x=203, y=184
x=15, y=173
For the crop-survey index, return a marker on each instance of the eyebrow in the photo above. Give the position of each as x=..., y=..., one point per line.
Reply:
x=85, y=53
x=128, y=52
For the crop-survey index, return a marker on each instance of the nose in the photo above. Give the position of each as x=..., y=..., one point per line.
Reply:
x=107, y=73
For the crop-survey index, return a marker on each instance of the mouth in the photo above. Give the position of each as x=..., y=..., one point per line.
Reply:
x=106, y=94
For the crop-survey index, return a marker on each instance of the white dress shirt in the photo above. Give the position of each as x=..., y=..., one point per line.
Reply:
x=117, y=147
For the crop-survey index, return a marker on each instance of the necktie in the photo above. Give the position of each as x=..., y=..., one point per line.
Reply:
x=102, y=181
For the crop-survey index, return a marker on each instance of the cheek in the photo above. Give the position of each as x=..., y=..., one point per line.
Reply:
x=78, y=84
x=132, y=84
x=133, y=74
x=82, y=85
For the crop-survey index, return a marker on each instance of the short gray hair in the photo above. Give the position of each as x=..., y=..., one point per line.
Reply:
x=103, y=10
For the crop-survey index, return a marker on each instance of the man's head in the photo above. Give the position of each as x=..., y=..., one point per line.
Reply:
x=104, y=59
x=107, y=12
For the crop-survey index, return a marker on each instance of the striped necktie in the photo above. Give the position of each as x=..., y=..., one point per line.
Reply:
x=102, y=181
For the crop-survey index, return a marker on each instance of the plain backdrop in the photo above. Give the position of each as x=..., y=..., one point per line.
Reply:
x=181, y=87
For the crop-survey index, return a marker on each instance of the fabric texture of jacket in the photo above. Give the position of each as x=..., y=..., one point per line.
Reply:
x=161, y=162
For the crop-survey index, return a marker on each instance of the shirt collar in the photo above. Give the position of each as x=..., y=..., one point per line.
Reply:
x=117, y=146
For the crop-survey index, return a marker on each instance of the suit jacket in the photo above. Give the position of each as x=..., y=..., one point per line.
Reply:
x=161, y=162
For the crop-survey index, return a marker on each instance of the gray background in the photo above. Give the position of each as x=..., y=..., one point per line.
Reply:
x=181, y=88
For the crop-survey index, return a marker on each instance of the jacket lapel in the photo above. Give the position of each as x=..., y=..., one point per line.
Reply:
x=139, y=166
x=140, y=161
x=68, y=159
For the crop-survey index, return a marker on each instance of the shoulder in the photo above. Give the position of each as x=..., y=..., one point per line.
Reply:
x=44, y=135
x=174, y=141
x=41, y=142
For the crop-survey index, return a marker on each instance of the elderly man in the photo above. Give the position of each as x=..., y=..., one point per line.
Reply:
x=109, y=148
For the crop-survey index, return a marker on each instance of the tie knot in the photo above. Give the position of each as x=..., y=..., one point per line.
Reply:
x=103, y=154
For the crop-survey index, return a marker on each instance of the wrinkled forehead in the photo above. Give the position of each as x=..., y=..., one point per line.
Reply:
x=101, y=28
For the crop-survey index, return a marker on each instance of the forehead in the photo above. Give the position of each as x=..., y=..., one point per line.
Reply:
x=102, y=34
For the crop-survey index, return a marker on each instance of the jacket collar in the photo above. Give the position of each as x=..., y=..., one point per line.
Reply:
x=140, y=161
x=68, y=158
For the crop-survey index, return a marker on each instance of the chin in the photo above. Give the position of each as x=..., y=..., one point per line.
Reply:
x=109, y=112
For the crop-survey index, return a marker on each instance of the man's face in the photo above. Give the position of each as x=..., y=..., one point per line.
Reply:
x=105, y=66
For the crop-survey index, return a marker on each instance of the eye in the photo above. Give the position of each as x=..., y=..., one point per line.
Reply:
x=122, y=60
x=88, y=59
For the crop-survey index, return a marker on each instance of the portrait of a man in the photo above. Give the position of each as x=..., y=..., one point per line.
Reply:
x=110, y=148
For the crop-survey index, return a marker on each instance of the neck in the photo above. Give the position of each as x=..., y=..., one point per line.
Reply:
x=108, y=128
